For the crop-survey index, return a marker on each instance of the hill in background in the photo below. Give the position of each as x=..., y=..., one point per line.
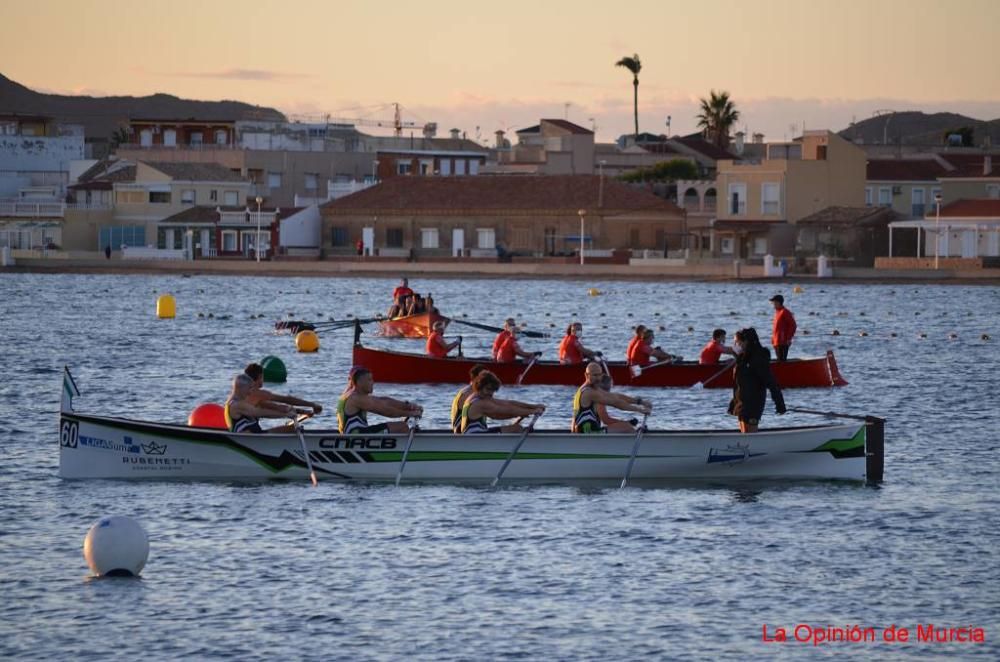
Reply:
x=918, y=128
x=100, y=116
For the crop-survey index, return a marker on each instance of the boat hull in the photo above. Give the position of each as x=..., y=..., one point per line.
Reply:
x=93, y=447
x=411, y=326
x=406, y=368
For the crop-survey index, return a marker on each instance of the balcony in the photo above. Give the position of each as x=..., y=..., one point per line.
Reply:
x=22, y=209
x=204, y=147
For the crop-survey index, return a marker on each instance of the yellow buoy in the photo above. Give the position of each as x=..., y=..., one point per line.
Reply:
x=797, y=290
x=306, y=341
x=166, y=307
x=594, y=292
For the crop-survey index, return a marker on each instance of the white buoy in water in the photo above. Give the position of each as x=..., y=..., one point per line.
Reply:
x=116, y=546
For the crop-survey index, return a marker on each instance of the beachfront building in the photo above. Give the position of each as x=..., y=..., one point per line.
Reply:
x=487, y=217
x=965, y=235
x=854, y=235
x=237, y=231
x=908, y=186
x=763, y=199
x=37, y=151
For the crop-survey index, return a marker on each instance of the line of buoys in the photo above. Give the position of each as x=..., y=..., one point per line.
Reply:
x=166, y=307
x=116, y=546
x=306, y=341
x=921, y=335
x=863, y=334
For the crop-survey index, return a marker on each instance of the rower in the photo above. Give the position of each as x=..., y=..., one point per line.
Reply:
x=643, y=351
x=716, y=347
x=260, y=396
x=243, y=415
x=400, y=299
x=510, y=350
x=508, y=324
x=570, y=349
x=637, y=338
x=458, y=403
x=357, y=400
x=403, y=290
x=437, y=346
x=609, y=422
x=586, y=418
x=481, y=405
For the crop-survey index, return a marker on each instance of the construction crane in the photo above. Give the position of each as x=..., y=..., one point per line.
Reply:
x=397, y=122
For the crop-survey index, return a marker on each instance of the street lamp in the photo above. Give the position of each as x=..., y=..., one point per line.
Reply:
x=257, y=241
x=582, y=214
x=600, y=190
x=937, y=228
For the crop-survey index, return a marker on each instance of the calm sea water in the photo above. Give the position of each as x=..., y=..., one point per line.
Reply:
x=437, y=572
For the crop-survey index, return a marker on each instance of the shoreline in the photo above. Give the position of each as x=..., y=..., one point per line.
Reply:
x=478, y=271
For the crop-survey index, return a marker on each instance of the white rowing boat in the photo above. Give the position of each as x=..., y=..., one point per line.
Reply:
x=109, y=447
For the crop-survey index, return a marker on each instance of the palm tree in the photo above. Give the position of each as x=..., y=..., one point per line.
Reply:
x=718, y=115
x=635, y=66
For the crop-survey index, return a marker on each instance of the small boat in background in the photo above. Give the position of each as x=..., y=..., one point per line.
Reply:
x=411, y=326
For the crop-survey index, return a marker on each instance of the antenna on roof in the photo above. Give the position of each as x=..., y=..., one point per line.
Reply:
x=566, y=110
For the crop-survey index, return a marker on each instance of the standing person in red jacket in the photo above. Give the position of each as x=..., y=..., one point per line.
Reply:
x=501, y=338
x=784, y=328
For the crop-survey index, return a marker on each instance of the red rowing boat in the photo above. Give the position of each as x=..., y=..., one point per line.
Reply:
x=403, y=368
x=411, y=326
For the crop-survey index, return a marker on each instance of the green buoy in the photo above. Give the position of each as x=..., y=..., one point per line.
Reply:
x=274, y=370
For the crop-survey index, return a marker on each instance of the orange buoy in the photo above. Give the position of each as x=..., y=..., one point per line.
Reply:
x=208, y=415
x=306, y=341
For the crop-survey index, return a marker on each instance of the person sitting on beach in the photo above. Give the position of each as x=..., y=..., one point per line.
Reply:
x=510, y=350
x=571, y=350
x=458, y=402
x=357, y=400
x=586, y=418
x=243, y=415
x=437, y=346
x=260, y=396
x=716, y=347
x=643, y=352
x=508, y=324
x=481, y=406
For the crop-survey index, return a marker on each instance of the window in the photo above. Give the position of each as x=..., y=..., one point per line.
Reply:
x=770, y=199
x=473, y=167
x=231, y=198
x=726, y=245
x=760, y=246
x=485, y=237
x=197, y=138
x=445, y=167
x=917, y=206
x=130, y=197
x=170, y=138
x=459, y=166
x=633, y=237
x=885, y=197
x=312, y=181
x=341, y=237
x=213, y=195
x=229, y=241
x=403, y=167
x=129, y=235
x=159, y=197
x=220, y=137
x=274, y=180
x=737, y=199
x=146, y=138
x=993, y=191
x=187, y=196
x=429, y=238
x=394, y=237
x=868, y=196
x=426, y=167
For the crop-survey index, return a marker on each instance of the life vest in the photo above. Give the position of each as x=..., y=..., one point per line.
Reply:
x=507, y=351
x=436, y=345
x=569, y=350
x=585, y=419
x=347, y=424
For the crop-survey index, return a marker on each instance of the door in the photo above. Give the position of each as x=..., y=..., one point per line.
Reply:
x=457, y=242
x=368, y=238
x=969, y=241
x=993, y=243
x=204, y=243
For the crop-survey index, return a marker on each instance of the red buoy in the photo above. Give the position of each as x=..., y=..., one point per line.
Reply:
x=208, y=415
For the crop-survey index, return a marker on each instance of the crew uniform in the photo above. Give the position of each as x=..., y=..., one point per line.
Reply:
x=475, y=425
x=241, y=424
x=585, y=419
x=356, y=422
x=457, y=409
x=569, y=350
x=639, y=354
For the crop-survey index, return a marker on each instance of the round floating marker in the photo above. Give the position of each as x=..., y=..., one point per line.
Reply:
x=211, y=316
x=862, y=313
x=656, y=314
x=594, y=292
x=985, y=336
x=306, y=341
x=274, y=370
x=208, y=415
x=662, y=328
x=690, y=329
x=166, y=307
x=916, y=312
x=805, y=332
x=797, y=290
x=201, y=314
x=628, y=315
x=893, y=335
x=863, y=334
x=921, y=335
x=835, y=332
x=952, y=336
x=116, y=546
x=604, y=314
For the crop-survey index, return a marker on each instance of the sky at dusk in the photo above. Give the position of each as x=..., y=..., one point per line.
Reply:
x=503, y=65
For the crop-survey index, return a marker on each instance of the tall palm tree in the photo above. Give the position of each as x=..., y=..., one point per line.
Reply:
x=718, y=115
x=635, y=66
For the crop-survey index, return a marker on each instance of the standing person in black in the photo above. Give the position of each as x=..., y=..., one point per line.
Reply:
x=752, y=379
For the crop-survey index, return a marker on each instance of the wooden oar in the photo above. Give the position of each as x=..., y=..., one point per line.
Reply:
x=604, y=367
x=517, y=447
x=635, y=451
x=406, y=449
x=497, y=329
x=636, y=370
x=701, y=385
x=520, y=378
x=297, y=424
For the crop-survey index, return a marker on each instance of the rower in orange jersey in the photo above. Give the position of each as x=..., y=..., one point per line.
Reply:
x=510, y=350
x=716, y=347
x=571, y=350
x=437, y=346
x=508, y=324
x=637, y=338
x=643, y=352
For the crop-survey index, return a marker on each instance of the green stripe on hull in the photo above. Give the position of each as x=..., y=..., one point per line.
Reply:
x=843, y=448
